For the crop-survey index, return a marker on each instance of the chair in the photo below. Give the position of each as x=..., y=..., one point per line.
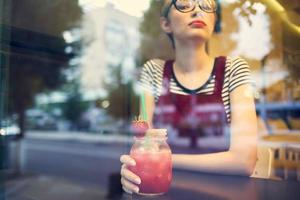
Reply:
x=277, y=126
x=275, y=160
x=262, y=127
x=262, y=167
x=295, y=123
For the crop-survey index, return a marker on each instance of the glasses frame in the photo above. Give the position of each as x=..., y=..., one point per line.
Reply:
x=166, y=11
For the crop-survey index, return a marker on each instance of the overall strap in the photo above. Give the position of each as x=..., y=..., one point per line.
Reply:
x=167, y=75
x=219, y=72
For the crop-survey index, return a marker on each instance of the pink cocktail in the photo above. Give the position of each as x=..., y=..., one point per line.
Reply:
x=153, y=159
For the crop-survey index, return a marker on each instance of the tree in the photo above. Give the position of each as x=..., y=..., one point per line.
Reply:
x=74, y=105
x=154, y=42
x=35, y=52
x=123, y=101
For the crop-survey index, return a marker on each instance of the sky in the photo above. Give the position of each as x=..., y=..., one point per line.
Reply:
x=132, y=7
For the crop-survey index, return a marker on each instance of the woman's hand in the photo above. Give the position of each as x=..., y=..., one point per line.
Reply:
x=129, y=180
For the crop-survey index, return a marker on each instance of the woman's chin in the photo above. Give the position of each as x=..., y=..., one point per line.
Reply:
x=197, y=39
x=196, y=36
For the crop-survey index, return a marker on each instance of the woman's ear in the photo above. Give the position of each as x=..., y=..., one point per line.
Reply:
x=165, y=25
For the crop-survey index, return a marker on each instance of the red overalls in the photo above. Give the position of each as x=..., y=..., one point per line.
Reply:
x=194, y=115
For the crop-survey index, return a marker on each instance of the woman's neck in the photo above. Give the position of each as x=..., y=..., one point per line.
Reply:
x=191, y=57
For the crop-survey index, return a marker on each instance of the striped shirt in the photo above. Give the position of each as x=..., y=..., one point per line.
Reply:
x=237, y=72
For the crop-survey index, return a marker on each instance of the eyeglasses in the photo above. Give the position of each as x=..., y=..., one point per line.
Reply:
x=185, y=6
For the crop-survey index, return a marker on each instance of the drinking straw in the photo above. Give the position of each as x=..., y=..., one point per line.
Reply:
x=143, y=104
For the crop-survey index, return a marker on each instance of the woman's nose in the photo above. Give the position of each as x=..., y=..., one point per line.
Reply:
x=197, y=12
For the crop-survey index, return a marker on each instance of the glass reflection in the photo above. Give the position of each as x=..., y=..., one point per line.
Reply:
x=68, y=92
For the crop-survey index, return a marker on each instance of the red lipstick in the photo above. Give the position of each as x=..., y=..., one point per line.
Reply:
x=197, y=24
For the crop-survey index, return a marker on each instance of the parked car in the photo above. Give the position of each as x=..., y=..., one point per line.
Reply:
x=40, y=120
x=9, y=128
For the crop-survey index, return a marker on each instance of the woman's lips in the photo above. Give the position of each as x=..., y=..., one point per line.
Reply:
x=197, y=24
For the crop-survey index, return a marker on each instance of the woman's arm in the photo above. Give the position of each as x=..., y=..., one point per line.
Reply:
x=241, y=157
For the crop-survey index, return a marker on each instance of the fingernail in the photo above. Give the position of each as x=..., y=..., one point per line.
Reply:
x=132, y=163
x=137, y=181
x=136, y=190
x=127, y=191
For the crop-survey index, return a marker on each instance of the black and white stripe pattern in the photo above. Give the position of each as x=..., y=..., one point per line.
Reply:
x=237, y=73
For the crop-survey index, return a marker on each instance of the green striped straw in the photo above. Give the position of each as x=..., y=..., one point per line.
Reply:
x=147, y=143
x=143, y=104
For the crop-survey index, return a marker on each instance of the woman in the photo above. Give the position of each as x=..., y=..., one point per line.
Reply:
x=195, y=78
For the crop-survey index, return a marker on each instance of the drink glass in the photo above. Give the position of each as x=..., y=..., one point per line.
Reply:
x=153, y=159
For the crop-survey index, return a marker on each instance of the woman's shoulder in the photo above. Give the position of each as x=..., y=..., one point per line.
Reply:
x=151, y=75
x=155, y=65
x=155, y=62
x=238, y=72
x=235, y=60
x=234, y=64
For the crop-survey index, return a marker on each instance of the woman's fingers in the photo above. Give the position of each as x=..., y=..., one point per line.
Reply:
x=128, y=186
x=126, y=159
x=126, y=190
x=129, y=179
x=129, y=175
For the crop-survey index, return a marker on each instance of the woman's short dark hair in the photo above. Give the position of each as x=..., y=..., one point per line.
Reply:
x=164, y=13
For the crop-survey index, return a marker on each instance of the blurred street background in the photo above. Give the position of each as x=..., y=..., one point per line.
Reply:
x=68, y=92
x=49, y=166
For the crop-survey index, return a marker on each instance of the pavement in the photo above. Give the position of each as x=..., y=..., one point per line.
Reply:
x=36, y=185
x=79, y=136
x=178, y=143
